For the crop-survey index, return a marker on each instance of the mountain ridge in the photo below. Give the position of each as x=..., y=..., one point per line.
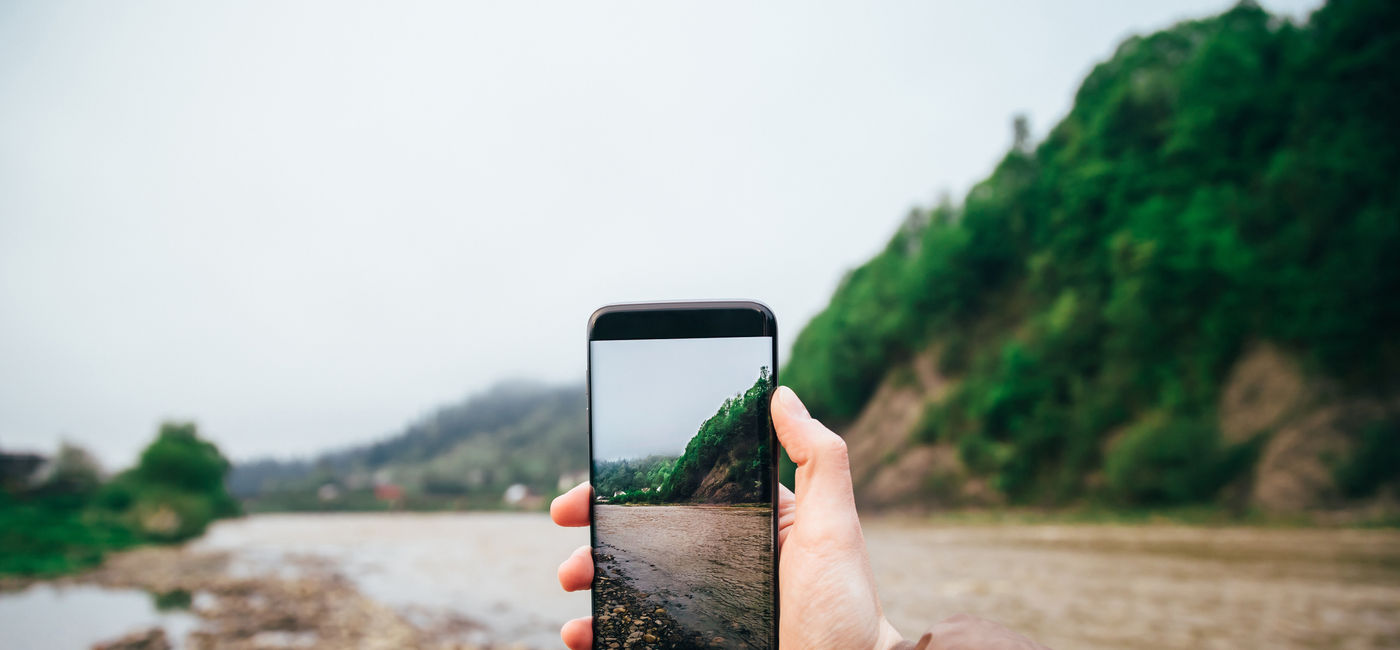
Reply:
x=464, y=454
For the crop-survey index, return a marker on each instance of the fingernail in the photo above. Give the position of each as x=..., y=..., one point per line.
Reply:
x=793, y=406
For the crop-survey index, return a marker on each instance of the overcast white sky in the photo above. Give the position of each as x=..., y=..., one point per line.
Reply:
x=650, y=397
x=304, y=224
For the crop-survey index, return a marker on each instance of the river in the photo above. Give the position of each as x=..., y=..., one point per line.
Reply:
x=1083, y=586
x=497, y=569
x=708, y=566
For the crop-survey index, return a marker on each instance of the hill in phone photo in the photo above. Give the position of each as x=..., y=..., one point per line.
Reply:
x=723, y=463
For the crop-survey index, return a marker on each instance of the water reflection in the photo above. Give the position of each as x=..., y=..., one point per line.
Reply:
x=59, y=616
x=496, y=569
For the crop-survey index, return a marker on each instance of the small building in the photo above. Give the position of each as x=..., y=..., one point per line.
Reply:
x=516, y=493
x=521, y=496
x=19, y=470
x=389, y=493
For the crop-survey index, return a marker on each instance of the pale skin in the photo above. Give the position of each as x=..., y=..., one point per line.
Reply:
x=827, y=589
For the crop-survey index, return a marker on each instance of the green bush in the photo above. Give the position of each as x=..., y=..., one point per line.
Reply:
x=73, y=519
x=181, y=460
x=1374, y=462
x=1166, y=461
x=42, y=537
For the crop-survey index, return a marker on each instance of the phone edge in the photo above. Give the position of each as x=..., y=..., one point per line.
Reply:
x=771, y=321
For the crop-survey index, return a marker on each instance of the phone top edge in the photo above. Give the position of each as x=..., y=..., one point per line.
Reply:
x=681, y=319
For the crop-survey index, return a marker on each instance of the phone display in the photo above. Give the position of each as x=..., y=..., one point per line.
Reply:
x=683, y=474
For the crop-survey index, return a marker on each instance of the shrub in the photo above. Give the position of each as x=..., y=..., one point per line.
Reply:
x=1375, y=461
x=1163, y=461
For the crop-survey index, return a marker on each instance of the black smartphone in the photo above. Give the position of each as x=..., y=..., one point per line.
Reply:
x=683, y=464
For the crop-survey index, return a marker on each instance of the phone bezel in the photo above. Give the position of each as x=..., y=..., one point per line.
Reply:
x=684, y=320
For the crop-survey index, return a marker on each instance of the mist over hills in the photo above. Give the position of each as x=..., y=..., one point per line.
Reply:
x=465, y=454
x=1185, y=295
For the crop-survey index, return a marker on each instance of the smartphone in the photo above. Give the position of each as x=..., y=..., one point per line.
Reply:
x=683, y=464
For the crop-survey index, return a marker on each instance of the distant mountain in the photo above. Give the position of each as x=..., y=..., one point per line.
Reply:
x=464, y=455
x=1187, y=293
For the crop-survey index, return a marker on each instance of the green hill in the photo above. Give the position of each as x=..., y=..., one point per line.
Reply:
x=460, y=456
x=1090, y=324
x=722, y=463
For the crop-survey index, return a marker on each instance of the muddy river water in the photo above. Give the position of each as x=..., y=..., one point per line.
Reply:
x=710, y=567
x=1089, y=586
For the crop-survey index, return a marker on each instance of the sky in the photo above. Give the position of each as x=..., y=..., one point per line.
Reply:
x=303, y=225
x=651, y=396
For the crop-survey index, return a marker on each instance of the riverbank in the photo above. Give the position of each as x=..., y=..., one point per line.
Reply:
x=1145, y=586
x=404, y=580
x=308, y=606
x=628, y=620
x=1380, y=516
x=708, y=567
x=488, y=580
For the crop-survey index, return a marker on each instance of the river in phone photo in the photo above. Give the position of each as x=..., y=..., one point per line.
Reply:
x=706, y=569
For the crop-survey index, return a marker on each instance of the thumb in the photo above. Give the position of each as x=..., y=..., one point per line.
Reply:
x=823, y=467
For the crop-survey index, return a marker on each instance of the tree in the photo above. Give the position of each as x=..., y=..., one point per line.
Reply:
x=73, y=471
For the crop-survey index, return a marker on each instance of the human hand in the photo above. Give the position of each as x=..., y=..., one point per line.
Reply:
x=825, y=583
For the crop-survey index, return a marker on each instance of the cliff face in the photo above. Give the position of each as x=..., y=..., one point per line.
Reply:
x=1300, y=426
x=728, y=482
x=726, y=459
x=1306, y=428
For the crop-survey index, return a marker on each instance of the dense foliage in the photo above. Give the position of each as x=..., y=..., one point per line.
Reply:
x=1222, y=181
x=632, y=480
x=70, y=517
x=723, y=462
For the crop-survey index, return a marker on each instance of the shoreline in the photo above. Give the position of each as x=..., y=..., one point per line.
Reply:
x=625, y=618
x=701, y=566
x=1304, y=589
x=306, y=605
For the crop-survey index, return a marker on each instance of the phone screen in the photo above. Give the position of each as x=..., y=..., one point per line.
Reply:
x=683, y=524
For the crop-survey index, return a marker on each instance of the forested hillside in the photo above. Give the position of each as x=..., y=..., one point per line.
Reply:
x=1222, y=199
x=722, y=463
x=464, y=455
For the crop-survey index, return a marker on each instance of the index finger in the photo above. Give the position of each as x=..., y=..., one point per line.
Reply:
x=571, y=508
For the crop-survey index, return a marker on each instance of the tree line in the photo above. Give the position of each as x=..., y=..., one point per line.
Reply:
x=65, y=514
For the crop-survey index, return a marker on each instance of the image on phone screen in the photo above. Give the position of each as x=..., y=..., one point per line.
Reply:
x=682, y=457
